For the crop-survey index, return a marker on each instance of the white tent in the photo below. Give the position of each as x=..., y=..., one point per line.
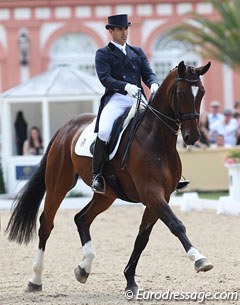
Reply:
x=48, y=100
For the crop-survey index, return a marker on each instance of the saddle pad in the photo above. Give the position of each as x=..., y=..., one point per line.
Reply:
x=87, y=137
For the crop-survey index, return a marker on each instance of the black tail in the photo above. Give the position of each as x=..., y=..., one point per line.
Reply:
x=22, y=224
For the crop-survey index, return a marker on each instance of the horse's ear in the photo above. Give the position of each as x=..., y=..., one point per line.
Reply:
x=202, y=70
x=181, y=68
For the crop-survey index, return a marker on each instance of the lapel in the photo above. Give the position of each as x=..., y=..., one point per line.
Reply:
x=115, y=51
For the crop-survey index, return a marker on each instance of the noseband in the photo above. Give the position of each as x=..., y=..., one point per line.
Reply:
x=178, y=118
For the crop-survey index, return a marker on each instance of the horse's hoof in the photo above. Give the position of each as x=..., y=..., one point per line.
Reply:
x=203, y=265
x=33, y=287
x=131, y=292
x=81, y=274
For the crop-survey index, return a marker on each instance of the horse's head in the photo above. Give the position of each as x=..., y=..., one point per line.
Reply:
x=187, y=94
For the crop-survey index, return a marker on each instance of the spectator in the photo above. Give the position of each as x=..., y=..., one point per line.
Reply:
x=220, y=142
x=21, y=131
x=236, y=109
x=33, y=145
x=204, y=131
x=227, y=127
x=236, y=115
x=213, y=117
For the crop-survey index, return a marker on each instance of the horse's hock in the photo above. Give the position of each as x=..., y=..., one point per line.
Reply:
x=205, y=169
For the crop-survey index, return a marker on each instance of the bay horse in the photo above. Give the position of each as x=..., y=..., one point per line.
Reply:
x=151, y=175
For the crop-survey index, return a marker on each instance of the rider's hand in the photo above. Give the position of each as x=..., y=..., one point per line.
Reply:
x=154, y=88
x=132, y=90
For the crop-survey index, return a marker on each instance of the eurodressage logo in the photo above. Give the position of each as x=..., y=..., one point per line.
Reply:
x=197, y=296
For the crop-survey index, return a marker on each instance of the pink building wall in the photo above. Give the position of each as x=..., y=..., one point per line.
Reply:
x=74, y=16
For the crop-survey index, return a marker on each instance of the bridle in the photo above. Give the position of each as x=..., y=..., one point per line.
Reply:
x=178, y=118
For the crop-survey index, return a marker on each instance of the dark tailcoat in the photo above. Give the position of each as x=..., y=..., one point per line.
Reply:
x=115, y=70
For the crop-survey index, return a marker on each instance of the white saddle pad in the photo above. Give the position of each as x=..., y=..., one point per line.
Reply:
x=87, y=137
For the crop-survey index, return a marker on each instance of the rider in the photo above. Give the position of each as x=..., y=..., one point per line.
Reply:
x=120, y=68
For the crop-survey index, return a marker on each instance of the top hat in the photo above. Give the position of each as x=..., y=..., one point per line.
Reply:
x=118, y=21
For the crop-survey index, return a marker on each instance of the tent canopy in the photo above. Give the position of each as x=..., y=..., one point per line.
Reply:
x=60, y=81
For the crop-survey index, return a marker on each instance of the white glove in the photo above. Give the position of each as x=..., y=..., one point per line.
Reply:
x=132, y=90
x=154, y=88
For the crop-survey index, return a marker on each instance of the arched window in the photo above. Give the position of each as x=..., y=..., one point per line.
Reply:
x=167, y=53
x=76, y=49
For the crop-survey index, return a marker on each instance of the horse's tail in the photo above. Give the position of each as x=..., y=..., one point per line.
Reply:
x=22, y=224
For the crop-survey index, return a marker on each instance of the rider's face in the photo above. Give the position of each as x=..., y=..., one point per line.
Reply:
x=119, y=34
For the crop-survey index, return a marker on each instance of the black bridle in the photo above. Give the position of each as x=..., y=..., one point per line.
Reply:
x=178, y=118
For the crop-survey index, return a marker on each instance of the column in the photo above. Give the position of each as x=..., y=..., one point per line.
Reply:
x=45, y=123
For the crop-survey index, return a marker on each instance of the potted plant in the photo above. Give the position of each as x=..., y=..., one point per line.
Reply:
x=232, y=163
x=233, y=157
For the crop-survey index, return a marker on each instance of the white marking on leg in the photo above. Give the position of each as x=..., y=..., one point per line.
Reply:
x=38, y=268
x=88, y=256
x=194, y=255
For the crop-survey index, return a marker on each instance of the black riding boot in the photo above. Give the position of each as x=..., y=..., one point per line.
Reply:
x=182, y=185
x=98, y=182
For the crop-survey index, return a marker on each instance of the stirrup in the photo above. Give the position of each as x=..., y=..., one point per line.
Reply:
x=182, y=185
x=98, y=184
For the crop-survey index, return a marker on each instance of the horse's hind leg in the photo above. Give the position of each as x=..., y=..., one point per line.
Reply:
x=148, y=221
x=52, y=202
x=83, y=220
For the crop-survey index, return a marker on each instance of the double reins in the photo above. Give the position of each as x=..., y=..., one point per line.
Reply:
x=178, y=119
x=165, y=119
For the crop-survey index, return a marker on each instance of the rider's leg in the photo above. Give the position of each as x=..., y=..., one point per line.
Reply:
x=182, y=185
x=115, y=107
x=98, y=183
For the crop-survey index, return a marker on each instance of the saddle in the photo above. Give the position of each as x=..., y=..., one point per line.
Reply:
x=114, y=138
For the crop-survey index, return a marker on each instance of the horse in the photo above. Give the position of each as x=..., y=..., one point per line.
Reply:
x=150, y=176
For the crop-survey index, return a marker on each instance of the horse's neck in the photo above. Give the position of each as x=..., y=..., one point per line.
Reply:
x=154, y=126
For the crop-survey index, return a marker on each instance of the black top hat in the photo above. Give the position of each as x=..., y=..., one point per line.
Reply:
x=118, y=21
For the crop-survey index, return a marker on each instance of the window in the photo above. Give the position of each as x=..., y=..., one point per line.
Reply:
x=167, y=53
x=76, y=49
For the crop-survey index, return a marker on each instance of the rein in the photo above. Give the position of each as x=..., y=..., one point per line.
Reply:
x=178, y=118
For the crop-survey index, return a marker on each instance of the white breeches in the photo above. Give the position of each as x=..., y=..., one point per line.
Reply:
x=115, y=107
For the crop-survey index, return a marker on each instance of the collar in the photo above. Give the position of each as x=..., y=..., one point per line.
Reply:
x=120, y=47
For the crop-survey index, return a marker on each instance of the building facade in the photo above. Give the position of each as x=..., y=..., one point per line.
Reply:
x=46, y=33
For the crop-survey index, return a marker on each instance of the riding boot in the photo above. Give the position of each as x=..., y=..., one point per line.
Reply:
x=182, y=185
x=98, y=183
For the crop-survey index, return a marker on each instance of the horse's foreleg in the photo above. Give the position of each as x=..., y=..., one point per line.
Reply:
x=164, y=212
x=83, y=220
x=148, y=221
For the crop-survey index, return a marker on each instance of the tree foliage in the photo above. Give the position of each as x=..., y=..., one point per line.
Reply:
x=218, y=39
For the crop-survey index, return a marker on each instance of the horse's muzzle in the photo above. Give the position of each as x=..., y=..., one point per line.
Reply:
x=190, y=138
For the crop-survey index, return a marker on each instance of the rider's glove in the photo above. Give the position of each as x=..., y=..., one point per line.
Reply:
x=132, y=90
x=154, y=88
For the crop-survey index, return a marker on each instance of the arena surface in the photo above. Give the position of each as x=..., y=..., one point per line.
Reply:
x=163, y=266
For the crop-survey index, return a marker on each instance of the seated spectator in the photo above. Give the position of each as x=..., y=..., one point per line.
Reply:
x=220, y=142
x=214, y=116
x=227, y=127
x=236, y=113
x=33, y=145
x=204, y=131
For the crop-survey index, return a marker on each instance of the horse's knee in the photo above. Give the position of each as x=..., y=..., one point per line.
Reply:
x=177, y=227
